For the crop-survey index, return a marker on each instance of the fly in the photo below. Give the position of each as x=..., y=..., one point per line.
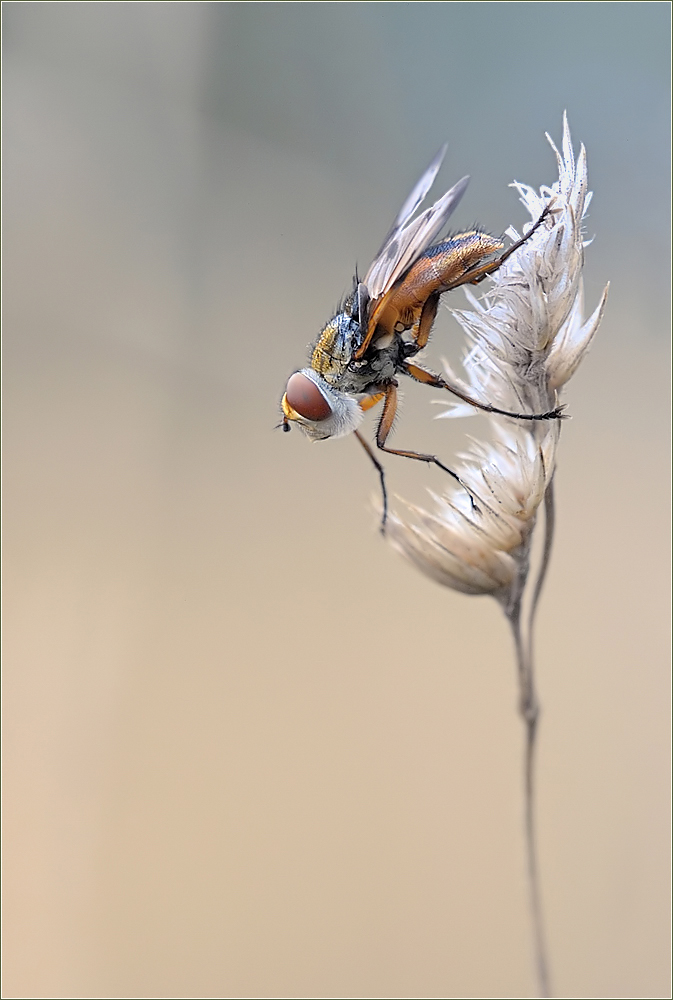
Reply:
x=386, y=320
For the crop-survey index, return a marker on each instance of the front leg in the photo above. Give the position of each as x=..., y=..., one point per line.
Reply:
x=382, y=477
x=427, y=378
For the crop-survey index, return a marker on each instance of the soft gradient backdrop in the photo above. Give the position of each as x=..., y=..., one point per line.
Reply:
x=249, y=751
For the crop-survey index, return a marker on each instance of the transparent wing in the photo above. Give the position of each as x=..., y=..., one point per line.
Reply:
x=407, y=239
x=417, y=195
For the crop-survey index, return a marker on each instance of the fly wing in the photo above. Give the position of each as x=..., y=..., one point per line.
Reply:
x=417, y=195
x=407, y=240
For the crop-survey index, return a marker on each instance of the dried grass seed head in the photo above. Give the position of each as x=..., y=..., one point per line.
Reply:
x=527, y=337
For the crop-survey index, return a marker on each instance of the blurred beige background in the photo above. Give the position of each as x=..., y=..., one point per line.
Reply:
x=248, y=751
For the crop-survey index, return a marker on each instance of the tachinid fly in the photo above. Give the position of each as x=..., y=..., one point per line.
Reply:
x=387, y=320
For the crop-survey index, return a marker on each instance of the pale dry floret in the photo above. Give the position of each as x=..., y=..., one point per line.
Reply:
x=527, y=337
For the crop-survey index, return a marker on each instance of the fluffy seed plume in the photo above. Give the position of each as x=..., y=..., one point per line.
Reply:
x=527, y=337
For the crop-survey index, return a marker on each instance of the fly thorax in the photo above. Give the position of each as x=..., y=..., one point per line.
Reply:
x=377, y=368
x=335, y=347
x=384, y=361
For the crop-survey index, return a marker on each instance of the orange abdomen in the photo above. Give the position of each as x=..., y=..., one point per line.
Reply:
x=435, y=272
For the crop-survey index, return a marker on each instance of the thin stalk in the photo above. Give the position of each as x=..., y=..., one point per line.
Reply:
x=530, y=712
x=549, y=524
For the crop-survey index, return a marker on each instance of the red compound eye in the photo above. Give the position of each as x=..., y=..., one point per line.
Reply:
x=305, y=397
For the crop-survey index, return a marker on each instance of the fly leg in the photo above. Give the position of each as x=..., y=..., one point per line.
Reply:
x=427, y=318
x=477, y=274
x=384, y=429
x=382, y=477
x=427, y=378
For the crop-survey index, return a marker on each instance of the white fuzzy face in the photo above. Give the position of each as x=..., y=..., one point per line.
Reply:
x=321, y=411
